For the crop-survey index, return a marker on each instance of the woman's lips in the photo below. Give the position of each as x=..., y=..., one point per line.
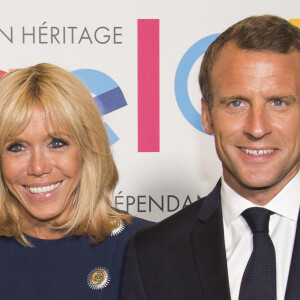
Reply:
x=43, y=189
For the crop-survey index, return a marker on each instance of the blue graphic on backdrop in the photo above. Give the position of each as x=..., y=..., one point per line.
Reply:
x=181, y=81
x=109, y=96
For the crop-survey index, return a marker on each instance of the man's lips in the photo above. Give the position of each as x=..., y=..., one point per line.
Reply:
x=38, y=189
x=257, y=152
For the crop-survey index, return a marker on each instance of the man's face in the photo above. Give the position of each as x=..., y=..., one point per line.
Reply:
x=255, y=118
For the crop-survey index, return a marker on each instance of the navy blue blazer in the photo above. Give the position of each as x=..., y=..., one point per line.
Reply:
x=183, y=257
x=63, y=269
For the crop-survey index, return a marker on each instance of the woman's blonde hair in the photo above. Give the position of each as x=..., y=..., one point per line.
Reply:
x=69, y=105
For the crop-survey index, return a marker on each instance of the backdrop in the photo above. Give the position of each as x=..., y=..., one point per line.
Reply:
x=140, y=60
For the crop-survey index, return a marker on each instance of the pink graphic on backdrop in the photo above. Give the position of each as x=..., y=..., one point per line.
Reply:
x=148, y=85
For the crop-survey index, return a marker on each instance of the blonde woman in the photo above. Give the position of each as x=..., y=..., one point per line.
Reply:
x=60, y=237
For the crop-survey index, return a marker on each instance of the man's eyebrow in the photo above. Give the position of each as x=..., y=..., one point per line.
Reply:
x=233, y=98
x=289, y=98
x=283, y=97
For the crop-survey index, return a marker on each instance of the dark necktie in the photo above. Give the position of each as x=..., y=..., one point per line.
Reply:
x=259, y=279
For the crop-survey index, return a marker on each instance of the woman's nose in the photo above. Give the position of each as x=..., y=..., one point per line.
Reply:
x=39, y=164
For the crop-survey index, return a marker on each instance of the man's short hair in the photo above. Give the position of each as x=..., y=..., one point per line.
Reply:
x=257, y=33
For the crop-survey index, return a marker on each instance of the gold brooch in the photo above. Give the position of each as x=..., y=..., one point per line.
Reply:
x=98, y=278
x=117, y=224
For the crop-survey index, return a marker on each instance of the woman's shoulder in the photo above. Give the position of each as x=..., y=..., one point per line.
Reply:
x=130, y=227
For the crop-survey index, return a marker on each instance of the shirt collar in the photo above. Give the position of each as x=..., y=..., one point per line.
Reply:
x=286, y=203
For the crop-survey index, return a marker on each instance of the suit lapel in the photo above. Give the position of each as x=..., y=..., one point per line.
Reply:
x=209, y=249
x=293, y=286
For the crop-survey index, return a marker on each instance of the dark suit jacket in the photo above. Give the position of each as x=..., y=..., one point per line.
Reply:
x=183, y=257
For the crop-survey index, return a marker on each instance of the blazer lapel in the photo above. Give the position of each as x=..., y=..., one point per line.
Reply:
x=293, y=287
x=209, y=249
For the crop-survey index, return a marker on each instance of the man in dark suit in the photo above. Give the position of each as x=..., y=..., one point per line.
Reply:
x=242, y=241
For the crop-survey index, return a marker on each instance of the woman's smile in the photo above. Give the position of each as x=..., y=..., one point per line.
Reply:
x=41, y=171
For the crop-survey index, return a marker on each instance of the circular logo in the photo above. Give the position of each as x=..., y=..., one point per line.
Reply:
x=98, y=278
x=181, y=81
x=117, y=224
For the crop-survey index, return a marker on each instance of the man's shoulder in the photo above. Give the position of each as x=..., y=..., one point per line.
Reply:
x=176, y=228
x=172, y=228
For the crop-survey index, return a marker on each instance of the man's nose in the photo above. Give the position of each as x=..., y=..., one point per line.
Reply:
x=258, y=122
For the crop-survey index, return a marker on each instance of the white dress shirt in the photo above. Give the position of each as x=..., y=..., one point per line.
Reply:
x=238, y=235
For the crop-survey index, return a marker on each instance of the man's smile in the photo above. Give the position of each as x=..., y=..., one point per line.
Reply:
x=257, y=152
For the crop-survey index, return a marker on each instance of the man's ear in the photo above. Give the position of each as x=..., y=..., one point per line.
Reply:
x=206, y=117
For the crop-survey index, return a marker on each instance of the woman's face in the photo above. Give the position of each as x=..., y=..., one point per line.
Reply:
x=42, y=172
